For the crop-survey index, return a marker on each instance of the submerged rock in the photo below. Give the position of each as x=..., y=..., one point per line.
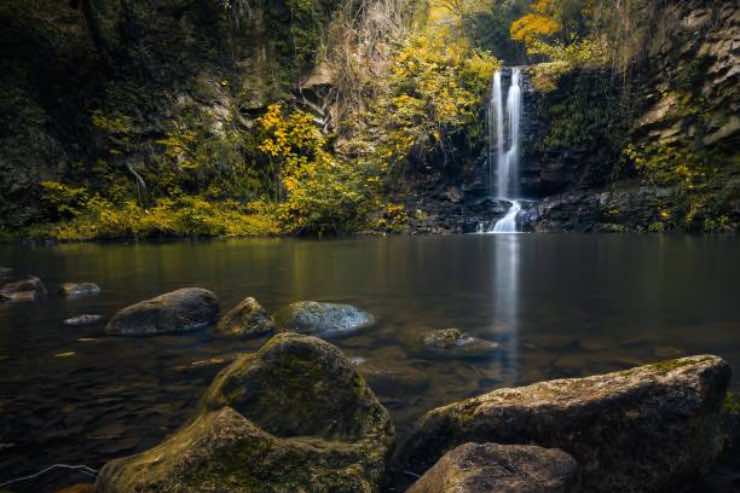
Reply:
x=323, y=319
x=77, y=289
x=29, y=289
x=183, y=310
x=86, y=319
x=494, y=468
x=295, y=416
x=391, y=379
x=643, y=429
x=450, y=344
x=248, y=318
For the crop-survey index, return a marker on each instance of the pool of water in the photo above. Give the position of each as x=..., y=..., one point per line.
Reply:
x=560, y=305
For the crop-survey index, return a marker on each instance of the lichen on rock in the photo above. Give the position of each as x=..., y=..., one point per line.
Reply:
x=295, y=416
x=644, y=429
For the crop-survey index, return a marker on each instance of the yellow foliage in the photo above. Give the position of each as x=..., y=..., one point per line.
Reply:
x=434, y=90
x=532, y=27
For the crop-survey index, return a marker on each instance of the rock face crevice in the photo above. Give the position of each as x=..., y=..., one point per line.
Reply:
x=645, y=429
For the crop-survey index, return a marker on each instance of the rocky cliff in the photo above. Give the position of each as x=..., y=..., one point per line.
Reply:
x=136, y=97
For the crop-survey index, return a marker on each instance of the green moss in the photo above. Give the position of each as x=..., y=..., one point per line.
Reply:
x=664, y=367
x=731, y=404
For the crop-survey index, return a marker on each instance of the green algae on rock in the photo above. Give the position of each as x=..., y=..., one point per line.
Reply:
x=295, y=416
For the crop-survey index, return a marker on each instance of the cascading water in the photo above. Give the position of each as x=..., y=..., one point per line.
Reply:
x=507, y=224
x=506, y=157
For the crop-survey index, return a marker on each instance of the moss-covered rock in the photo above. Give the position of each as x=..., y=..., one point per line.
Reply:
x=644, y=429
x=301, y=386
x=295, y=416
x=450, y=344
x=323, y=319
x=494, y=468
x=183, y=310
x=248, y=318
x=224, y=451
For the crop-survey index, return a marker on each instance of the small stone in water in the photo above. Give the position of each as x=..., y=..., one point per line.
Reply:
x=83, y=319
x=77, y=289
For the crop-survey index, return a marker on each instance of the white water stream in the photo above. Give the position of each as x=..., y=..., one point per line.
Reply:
x=504, y=147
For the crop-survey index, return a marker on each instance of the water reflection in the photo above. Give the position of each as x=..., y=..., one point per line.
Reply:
x=505, y=279
x=560, y=305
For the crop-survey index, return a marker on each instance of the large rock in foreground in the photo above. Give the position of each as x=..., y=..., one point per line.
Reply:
x=323, y=319
x=295, y=416
x=183, y=310
x=222, y=451
x=644, y=429
x=494, y=468
x=247, y=319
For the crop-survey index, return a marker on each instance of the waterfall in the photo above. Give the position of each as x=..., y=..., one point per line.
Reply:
x=503, y=145
x=507, y=224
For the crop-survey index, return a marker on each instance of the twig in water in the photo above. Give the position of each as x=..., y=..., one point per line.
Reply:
x=89, y=471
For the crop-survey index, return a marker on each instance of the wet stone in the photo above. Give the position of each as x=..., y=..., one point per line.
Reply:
x=86, y=319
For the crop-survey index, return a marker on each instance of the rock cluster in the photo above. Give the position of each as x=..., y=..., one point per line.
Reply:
x=644, y=429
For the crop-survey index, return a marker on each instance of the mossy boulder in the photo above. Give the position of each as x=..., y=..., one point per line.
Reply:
x=299, y=385
x=295, y=416
x=183, y=310
x=222, y=451
x=248, y=319
x=644, y=429
x=494, y=468
x=325, y=320
x=449, y=344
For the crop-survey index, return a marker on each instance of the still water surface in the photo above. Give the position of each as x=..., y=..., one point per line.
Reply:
x=560, y=305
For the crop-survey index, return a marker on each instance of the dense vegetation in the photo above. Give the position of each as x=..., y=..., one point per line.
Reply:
x=236, y=117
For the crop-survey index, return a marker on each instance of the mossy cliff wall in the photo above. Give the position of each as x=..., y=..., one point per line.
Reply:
x=654, y=148
x=110, y=93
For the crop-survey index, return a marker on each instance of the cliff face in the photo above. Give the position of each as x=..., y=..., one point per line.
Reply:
x=655, y=150
x=97, y=91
